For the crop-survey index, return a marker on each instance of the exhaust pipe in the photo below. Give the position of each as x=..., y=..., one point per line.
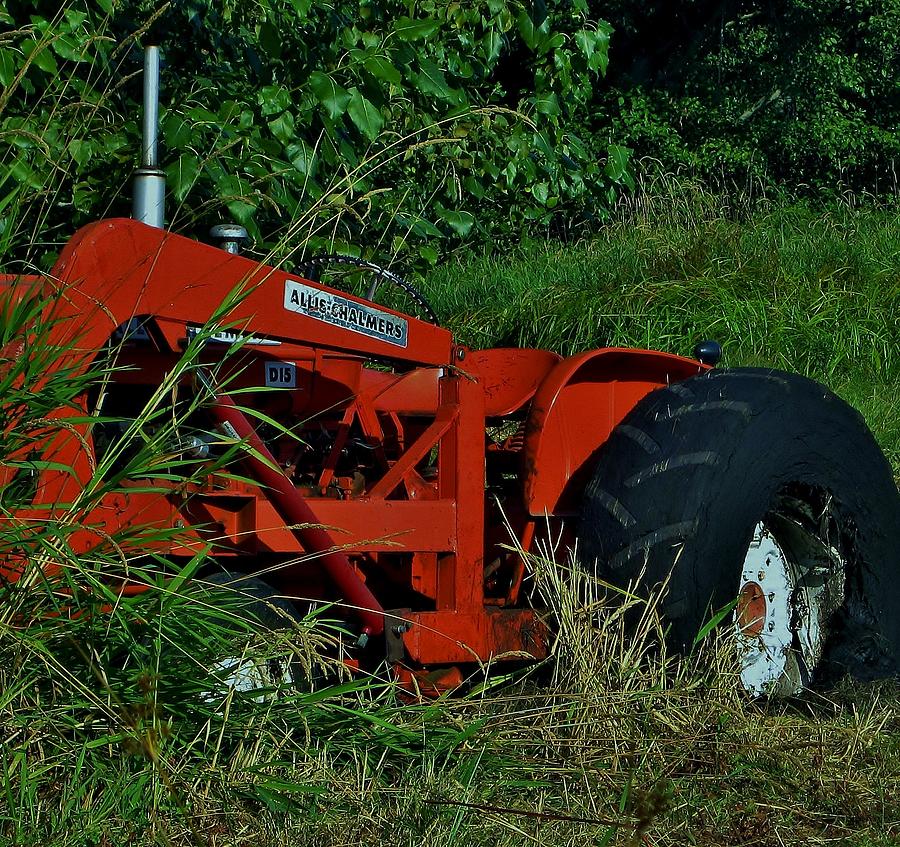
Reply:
x=149, y=203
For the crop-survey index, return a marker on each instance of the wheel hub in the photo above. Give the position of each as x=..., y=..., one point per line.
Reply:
x=764, y=617
x=259, y=677
x=791, y=584
x=245, y=674
x=751, y=609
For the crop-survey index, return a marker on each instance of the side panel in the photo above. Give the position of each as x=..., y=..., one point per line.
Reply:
x=574, y=410
x=115, y=269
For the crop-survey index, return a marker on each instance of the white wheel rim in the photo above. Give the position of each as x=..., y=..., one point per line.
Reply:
x=791, y=584
x=246, y=675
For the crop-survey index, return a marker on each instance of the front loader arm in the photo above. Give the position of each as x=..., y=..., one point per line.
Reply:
x=114, y=270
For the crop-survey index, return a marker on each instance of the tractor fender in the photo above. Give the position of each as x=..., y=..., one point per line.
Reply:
x=574, y=410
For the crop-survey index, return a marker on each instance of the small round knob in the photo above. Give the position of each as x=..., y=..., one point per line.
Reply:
x=229, y=237
x=708, y=352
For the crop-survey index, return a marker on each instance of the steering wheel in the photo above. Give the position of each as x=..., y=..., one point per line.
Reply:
x=318, y=263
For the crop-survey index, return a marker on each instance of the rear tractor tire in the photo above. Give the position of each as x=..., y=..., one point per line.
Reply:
x=765, y=490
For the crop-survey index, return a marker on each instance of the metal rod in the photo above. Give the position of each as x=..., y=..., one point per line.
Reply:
x=149, y=198
x=295, y=511
x=150, y=154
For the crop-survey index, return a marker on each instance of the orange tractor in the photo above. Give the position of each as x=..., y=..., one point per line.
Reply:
x=406, y=473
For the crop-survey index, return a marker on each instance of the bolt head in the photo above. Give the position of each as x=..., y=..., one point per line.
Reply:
x=228, y=232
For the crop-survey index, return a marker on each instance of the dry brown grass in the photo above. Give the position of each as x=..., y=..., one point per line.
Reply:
x=618, y=744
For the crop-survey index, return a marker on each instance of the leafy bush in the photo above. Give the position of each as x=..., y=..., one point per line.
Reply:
x=349, y=125
x=801, y=95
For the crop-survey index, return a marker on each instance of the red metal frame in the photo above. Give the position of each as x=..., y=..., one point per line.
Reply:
x=429, y=455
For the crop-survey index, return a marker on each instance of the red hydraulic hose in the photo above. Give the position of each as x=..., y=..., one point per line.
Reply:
x=295, y=511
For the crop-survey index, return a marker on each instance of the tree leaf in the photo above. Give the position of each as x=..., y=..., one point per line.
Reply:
x=536, y=38
x=332, y=96
x=460, y=222
x=594, y=45
x=429, y=254
x=617, y=160
x=241, y=211
x=176, y=131
x=382, y=69
x=363, y=113
x=81, y=150
x=273, y=99
x=426, y=228
x=74, y=19
x=408, y=29
x=302, y=157
x=7, y=67
x=270, y=39
x=540, y=192
x=283, y=127
x=22, y=173
x=526, y=29
x=68, y=46
x=431, y=80
x=301, y=7
x=181, y=176
x=492, y=43
x=547, y=104
x=43, y=58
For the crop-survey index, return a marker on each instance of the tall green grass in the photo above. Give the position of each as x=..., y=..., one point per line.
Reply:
x=810, y=291
x=117, y=727
x=116, y=721
x=816, y=292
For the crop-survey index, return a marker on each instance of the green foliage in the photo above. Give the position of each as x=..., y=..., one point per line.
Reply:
x=56, y=131
x=410, y=128
x=801, y=95
x=349, y=126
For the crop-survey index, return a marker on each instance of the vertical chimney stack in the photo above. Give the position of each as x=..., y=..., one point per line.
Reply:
x=149, y=181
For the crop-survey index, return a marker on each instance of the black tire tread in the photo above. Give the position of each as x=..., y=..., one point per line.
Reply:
x=689, y=464
x=254, y=597
x=673, y=463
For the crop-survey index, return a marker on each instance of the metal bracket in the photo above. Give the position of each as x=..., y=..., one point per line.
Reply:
x=395, y=627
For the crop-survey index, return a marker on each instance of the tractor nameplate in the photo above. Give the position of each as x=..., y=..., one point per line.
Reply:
x=281, y=375
x=347, y=314
x=230, y=336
